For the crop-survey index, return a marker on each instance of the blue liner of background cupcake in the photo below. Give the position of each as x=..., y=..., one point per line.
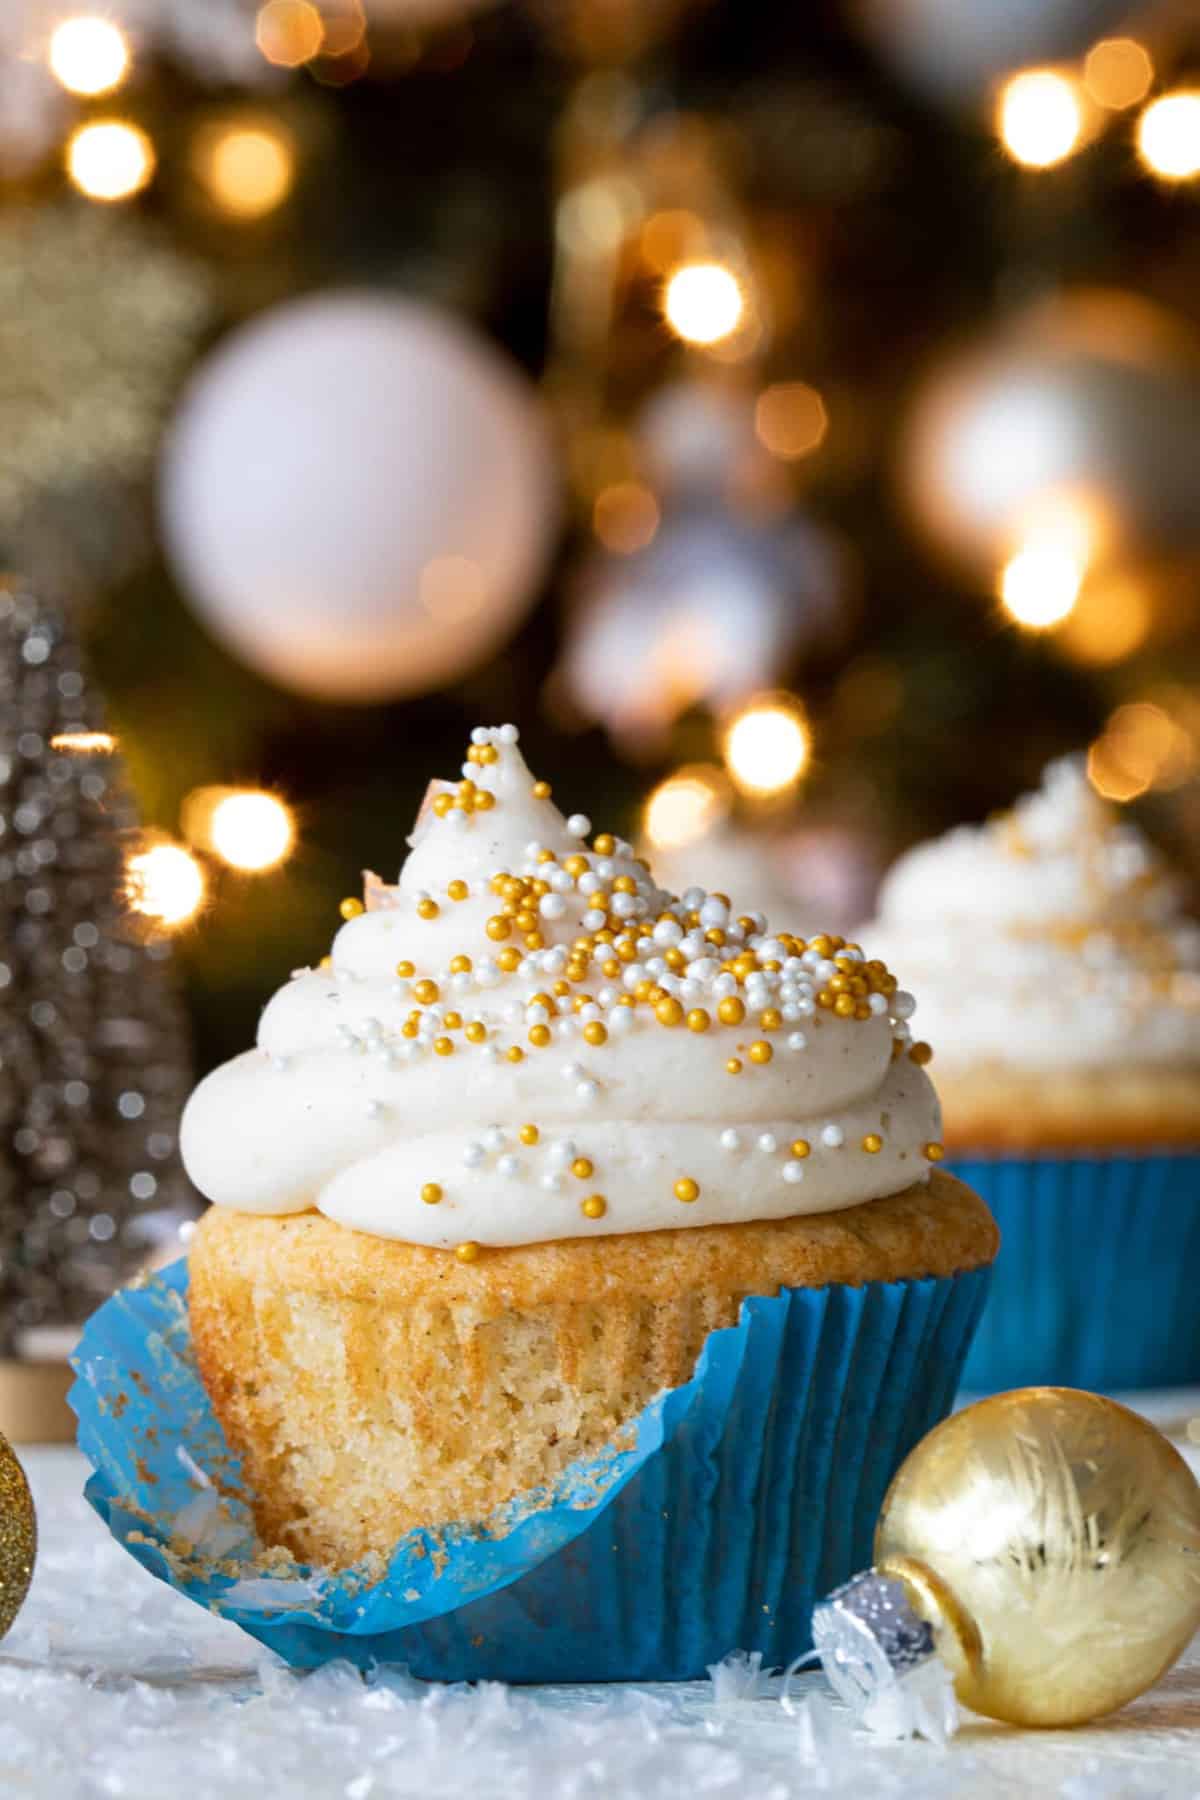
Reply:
x=1095, y=1283
x=741, y=1499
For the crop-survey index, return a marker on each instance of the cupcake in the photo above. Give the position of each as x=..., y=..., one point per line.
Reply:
x=1060, y=985
x=517, y=1158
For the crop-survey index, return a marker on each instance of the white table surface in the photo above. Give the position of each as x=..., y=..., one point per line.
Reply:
x=112, y=1685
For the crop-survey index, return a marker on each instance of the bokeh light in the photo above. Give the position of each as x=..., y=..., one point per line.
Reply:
x=289, y=32
x=247, y=169
x=1118, y=72
x=625, y=517
x=1141, y=747
x=1040, y=583
x=685, y=807
x=1169, y=136
x=164, y=883
x=790, y=419
x=768, y=746
x=1039, y=118
x=452, y=589
x=88, y=55
x=84, y=743
x=1111, y=619
x=110, y=159
x=251, y=831
x=703, y=302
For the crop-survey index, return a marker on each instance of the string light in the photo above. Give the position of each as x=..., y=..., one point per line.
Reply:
x=109, y=160
x=768, y=746
x=1040, y=583
x=685, y=807
x=248, y=170
x=1169, y=136
x=703, y=302
x=1118, y=73
x=625, y=517
x=88, y=55
x=164, y=882
x=1040, y=119
x=252, y=831
x=289, y=32
x=84, y=743
x=790, y=419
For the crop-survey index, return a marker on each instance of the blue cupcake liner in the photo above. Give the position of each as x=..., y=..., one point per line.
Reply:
x=743, y=1497
x=1095, y=1284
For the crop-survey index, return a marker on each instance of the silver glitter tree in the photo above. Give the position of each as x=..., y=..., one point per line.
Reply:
x=93, y=1045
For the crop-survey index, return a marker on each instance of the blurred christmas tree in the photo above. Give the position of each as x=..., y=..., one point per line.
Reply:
x=868, y=330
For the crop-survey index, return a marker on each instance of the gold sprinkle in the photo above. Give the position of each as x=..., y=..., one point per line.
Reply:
x=582, y=1167
x=595, y=1033
x=515, y=1053
x=770, y=1019
x=350, y=908
x=431, y=1193
x=443, y=804
x=730, y=1010
x=460, y=965
x=458, y=890
x=539, y=1036
x=698, y=1019
x=800, y=1148
x=921, y=1054
x=935, y=1152
x=453, y=1021
x=428, y=909
x=686, y=1189
x=733, y=1066
x=529, y=1134
x=426, y=991
x=542, y=790
x=843, y=1005
x=872, y=1143
x=761, y=1052
x=498, y=928
x=594, y=1207
x=468, y=1252
x=476, y=1032
x=443, y=1046
x=509, y=961
x=326, y=962
x=404, y=970
x=604, y=844
x=484, y=801
x=669, y=1011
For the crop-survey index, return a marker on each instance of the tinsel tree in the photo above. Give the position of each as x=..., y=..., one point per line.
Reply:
x=93, y=1046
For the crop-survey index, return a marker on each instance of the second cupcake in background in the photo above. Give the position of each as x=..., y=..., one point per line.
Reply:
x=1060, y=984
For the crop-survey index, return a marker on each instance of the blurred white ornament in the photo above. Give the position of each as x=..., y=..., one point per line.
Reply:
x=1087, y=404
x=358, y=496
x=809, y=878
x=698, y=436
x=707, y=614
x=957, y=48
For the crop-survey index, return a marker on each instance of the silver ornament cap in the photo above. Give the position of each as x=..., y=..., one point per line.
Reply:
x=869, y=1636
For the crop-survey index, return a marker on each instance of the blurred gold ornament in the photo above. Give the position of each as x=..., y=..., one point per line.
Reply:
x=246, y=165
x=1118, y=72
x=18, y=1536
x=1052, y=1540
x=1039, y=118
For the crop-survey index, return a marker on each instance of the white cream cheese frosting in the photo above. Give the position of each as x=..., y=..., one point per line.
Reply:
x=1052, y=937
x=525, y=1040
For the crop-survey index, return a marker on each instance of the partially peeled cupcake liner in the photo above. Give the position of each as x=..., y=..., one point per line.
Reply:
x=733, y=1503
x=1095, y=1283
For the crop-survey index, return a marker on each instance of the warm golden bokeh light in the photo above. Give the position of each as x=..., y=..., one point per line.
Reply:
x=1040, y=585
x=790, y=419
x=165, y=883
x=767, y=746
x=671, y=237
x=1141, y=747
x=1110, y=620
x=1118, y=72
x=452, y=589
x=625, y=517
x=685, y=807
x=289, y=32
x=703, y=303
x=247, y=169
x=88, y=55
x=84, y=743
x=1039, y=118
x=251, y=831
x=110, y=160
x=1169, y=136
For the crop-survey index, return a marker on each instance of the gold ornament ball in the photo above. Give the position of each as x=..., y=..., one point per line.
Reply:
x=18, y=1536
x=1052, y=1540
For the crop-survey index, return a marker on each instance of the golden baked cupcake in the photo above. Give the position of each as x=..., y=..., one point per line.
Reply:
x=498, y=1171
x=1060, y=985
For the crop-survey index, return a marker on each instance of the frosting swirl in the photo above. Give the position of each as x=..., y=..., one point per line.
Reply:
x=526, y=1039
x=1053, y=937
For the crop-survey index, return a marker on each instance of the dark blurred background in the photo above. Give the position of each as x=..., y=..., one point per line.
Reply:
x=844, y=453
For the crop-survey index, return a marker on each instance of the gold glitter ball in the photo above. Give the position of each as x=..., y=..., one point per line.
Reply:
x=18, y=1536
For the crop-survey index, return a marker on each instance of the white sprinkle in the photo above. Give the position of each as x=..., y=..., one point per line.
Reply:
x=473, y=1155
x=459, y=820
x=768, y=1143
x=877, y=1003
x=797, y=1041
x=606, y=997
x=462, y=981
x=901, y=1034
x=492, y=1052
x=832, y=1136
x=589, y=882
x=620, y=1020
x=588, y=1091
x=552, y=906
x=724, y=985
x=488, y=973
x=572, y=1071
x=667, y=932
x=509, y=1166
x=624, y=905
x=537, y=1015
x=603, y=867
x=730, y=1140
x=508, y=734
x=280, y=1063
x=594, y=920
x=771, y=950
x=375, y=1109
x=633, y=974
x=690, y=991
x=560, y=881
x=714, y=912
x=552, y=1183
x=578, y=825
x=562, y=1153
x=903, y=1005
x=793, y=1171
x=480, y=735
x=554, y=961
x=493, y=1138
x=825, y=969
x=806, y=1006
x=705, y=968
x=692, y=898
x=645, y=946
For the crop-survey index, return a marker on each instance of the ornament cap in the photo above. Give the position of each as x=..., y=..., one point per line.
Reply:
x=869, y=1634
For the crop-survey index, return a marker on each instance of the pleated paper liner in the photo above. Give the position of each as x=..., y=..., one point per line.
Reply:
x=1096, y=1282
x=745, y=1495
